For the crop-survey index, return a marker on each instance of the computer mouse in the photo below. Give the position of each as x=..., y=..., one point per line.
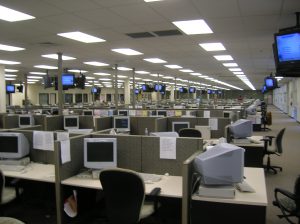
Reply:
x=166, y=174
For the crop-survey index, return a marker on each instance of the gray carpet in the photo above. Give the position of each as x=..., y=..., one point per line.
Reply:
x=289, y=160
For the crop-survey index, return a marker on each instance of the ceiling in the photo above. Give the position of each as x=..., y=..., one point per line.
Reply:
x=244, y=27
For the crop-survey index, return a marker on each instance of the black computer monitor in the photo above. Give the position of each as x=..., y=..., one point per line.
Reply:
x=177, y=125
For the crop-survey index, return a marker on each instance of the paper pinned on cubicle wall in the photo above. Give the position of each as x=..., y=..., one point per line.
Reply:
x=206, y=114
x=167, y=149
x=65, y=151
x=62, y=136
x=213, y=123
x=43, y=140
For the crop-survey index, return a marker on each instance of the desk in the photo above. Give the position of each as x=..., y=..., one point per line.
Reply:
x=171, y=186
x=244, y=208
x=35, y=172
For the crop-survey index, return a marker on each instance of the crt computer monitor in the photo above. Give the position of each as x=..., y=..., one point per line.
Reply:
x=161, y=113
x=242, y=128
x=100, y=153
x=221, y=165
x=13, y=145
x=251, y=110
x=71, y=122
x=26, y=120
x=177, y=125
x=122, y=123
x=88, y=112
x=123, y=112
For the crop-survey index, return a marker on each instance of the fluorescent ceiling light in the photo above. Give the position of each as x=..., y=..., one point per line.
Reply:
x=55, y=56
x=196, y=74
x=153, y=0
x=88, y=77
x=34, y=77
x=126, y=51
x=213, y=46
x=173, y=66
x=190, y=27
x=82, y=37
x=10, y=79
x=122, y=76
x=95, y=63
x=147, y=80
x=10, y=48
x=142, y=72
x=136, y=78
x=10, y=70
x=238, y=73
x=104, y=79
x=38, y=73
x=77, y=71
x=45, y=67
x=186, y=70
x=235, y=69
x=11, y=15
x=168, y=77
x=124, y=69
x=10, y=75
x=101, y=74
x=154, y=60
x=278, y=77
x=230, y=64
x=154, y=75
x=32, y=80
x=5, y=62
x=223, y=57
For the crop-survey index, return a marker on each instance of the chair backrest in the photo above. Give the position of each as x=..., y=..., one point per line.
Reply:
x=124, y=192
x=2, y=182
x=190, y=132
x=297, y=194
x=278, y=140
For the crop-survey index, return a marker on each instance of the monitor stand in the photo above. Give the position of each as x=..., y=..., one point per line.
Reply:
x=16, y=162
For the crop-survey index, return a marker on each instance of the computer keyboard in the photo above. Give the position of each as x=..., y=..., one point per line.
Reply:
x=11, y=167
x=150, y=177
x=84, y=175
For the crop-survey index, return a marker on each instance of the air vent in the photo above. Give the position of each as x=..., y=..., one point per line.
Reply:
x=163, y=33
x=140, y=35
x=48, y=44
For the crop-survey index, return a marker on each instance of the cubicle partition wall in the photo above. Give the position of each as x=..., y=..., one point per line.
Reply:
x=2, y=115
x=161, y=124
x=139, y=124
x=53, y=123
x=30, y=128
x=102, y=123
x=86, y=122
x=10, y=121
x=39, y=120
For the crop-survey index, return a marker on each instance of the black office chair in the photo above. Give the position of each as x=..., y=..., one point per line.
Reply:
x=288, y=202
x=272, y=148
x=190, y=132
x=124, y=193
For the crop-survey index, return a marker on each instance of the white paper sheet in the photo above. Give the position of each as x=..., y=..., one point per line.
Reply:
x=43, y=140
x=167, y=148
x=65, y=152
x=206, y=114
x=213, y=123
x=62, y=136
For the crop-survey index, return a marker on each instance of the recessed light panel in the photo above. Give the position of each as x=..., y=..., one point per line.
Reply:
x=101, y=74
x=4, y=47
x=82, y=37
x=95, y=63
x=11, y=15
x=230, y=64
x=38, y=73
x=213, y=46
x=142, y=72
x=173, y=66
x=6, y=62
x=223, y=57
x=45, y=67
x=77, y=71
x=186, y=70
x=127, y=51
x=10, y=70
x=191, y=27
x=235, y=69
x=154, y=60
x=124, y=69
x=55, y=56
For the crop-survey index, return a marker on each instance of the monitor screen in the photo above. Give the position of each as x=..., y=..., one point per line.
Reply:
x=221, y=165
x=264, y=89
x=123, y=112
x=183, y=90
x=122, y=123
x=13, y=145
x=71, y=122
x=288, y=47
x=136, y=91
x=209, y=91
x=100, y=153
x=68, y=79
x=177, y=125
x=10, y=89
x=161, y=113
x=192, y=90
x=157, y=87
x=88, y=112
x=242, y=128
x=26, y=120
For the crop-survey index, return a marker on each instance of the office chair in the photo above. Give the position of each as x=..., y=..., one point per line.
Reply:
x=270, y=148
x=189, y=132
x=7, y=194
x=288, y=202
x=124, y=193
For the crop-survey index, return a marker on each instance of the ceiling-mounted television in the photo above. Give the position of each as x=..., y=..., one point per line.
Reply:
x=68, y=80
x=286, y=51
x=271, y=83
x=183, y=90
x=10, y=88
x=192, y=90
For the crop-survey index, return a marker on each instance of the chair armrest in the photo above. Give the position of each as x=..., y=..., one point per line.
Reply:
x=155, y=191
x=285, y=193
x=153, y=196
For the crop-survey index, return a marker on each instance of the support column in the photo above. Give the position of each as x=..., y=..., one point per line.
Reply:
x=59, y=86
x=133, y=85
x=158, y=93
x=3, y=92
x=116, y=86
x=127, y=92
x=26, y=101
x=175, y=90
x=172, y=94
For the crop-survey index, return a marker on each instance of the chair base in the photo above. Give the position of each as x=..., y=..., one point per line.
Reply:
x=273, y=168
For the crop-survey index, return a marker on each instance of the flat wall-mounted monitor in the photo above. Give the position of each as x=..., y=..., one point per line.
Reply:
x=26, y=120
x=221, y=165
x=192, y=90
x=183, y=90
x=71, y=122
x=68, y=80
x=271, y=83
x=88, y=112
x=136, y=91
x=122, y=124
x=100, y=153
x=95, y=90
x=10, y=88
x=13, y=145
x=177, y=125
x=122, y=112
x=161, y=113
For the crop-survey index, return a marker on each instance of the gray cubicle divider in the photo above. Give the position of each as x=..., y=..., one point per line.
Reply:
x=222, y=123
x=34, y=127
x=86, y=122
x=39, y=120
x=151, y=162
x=53, y=122
x=2, y=119
x=102, y=123
x=161, y=124
x=139, y=124
x=10, y=121
x=187, y=172
x=129, y=150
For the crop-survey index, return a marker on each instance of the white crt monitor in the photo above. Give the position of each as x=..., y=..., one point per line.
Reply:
x=13, y=145
x=100, y=153
x=88, y=112
x=26, y=120
x=161, y=113
x=122, y=123
x=242, y=128
x=122, y=112
x=177, y=125
x=71, y=122
x=223, y=164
